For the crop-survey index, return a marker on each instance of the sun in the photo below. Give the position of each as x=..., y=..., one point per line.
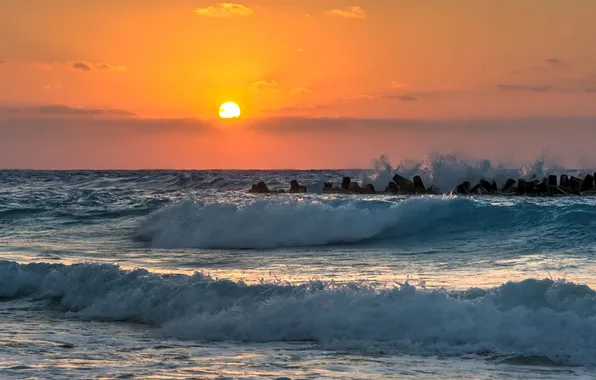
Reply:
x=229, y=110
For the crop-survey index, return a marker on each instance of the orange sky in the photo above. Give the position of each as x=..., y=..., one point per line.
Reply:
x=96, y=76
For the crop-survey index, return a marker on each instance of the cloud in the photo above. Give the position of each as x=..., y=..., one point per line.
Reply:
x=408, y=98
x=61, y=110
x=87, y=66
x=81, y=66
x=53, y=87
x=107, y=66
x=266, y=85
x=302, y=110
x=566, y=85
x=395, y=84
x=554, y=61
x=363, y=97
x=299, y=90
x=224, y=10
x=525, y=87
x=400, y=97
x=403, y=98
x=353, y=12
x=404, y=93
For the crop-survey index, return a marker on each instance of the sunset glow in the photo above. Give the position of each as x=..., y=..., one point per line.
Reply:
x=362, y=70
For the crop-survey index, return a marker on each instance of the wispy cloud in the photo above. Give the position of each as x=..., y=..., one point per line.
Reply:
x=53, y=87
x=570, y=84
x=225, y=10
x=403, y=98
x=61, y=110
x=107, y=66
x=81, y=66
x=89, y=66
x=525, y=87
x=300, y=90
x=307, y=110
x=555, y=61
x=354, y=12
x=266, y=85
x=391, y=96
x=395, y=84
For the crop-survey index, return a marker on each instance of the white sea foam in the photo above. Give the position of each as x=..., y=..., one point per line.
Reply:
x=554, y=320
x=271, y=223
x=311, y=221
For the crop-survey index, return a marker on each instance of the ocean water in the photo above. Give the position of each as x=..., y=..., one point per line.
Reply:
x=182, y=274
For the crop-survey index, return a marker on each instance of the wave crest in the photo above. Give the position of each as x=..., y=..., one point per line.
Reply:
x=543, y=318
x=312, y=221
x=272, y=223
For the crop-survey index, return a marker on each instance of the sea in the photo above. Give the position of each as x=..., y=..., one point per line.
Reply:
x=163, y=274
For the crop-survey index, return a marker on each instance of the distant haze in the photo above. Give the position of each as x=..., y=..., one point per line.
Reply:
x=81, y=143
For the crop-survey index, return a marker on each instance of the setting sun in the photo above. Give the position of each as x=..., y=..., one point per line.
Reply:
x=229, y=110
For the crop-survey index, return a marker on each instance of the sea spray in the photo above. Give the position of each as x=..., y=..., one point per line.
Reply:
x=446, y=171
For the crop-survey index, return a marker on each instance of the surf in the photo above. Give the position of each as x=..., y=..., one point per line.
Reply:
x=540, y=318
x=286, y=221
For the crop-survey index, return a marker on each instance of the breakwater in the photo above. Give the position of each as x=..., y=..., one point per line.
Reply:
x=563, y=185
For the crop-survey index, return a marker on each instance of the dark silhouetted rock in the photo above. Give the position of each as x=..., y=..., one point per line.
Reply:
x=509, y=185
x=404, y=184
x=493, y=186
x=327, y=184
x=542, y=187
x=345, y=183
x=587, y=183
x=368, y=189
x=532, y=187
x=574, y=182
x=479, y=190
x=259, y=188
x=295, y=187
x=552, y=180
x=418, y=184
x=463, y=188
x=564, y=181
x=392, y=188
x=522, y=185
x=354, y=187
x=486, y=185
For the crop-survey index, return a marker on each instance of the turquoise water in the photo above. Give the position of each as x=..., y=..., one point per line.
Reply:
x=184, y=274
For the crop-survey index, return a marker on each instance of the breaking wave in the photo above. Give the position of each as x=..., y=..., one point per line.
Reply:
x=291, y=222
x=555, y=320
